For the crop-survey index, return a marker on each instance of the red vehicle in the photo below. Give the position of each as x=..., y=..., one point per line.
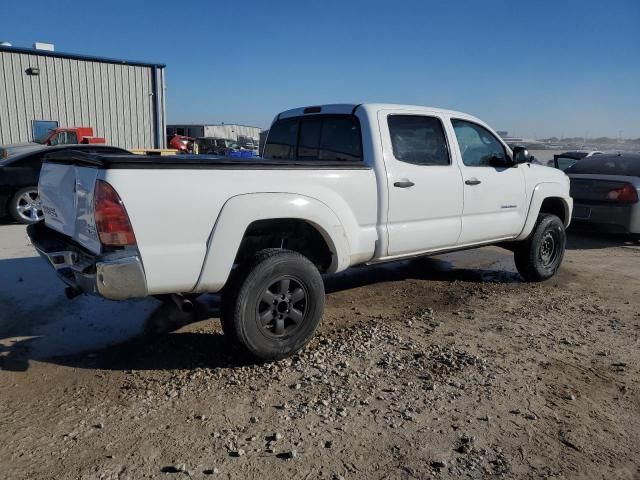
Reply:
x=180, y=142
x=71, y=135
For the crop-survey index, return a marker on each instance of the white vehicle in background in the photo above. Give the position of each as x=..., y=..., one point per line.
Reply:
x=341, y=185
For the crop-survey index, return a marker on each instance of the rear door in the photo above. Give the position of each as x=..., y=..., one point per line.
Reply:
x=424, y=183
x=494, y=191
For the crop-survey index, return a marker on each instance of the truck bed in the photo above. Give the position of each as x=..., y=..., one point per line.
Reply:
x=177, y=204
x=112, y=161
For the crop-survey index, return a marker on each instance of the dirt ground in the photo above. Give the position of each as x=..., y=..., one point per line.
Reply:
x=439, y=368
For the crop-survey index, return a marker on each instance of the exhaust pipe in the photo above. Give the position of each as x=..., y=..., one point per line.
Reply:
x=184, y=304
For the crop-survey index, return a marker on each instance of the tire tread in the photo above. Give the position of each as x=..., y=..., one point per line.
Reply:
x=525, y=253
x=237, y=291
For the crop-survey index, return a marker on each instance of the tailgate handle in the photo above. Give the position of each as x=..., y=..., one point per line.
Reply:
x=404, y=183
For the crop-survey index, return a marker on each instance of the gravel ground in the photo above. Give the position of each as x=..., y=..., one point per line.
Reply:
x=439, y=368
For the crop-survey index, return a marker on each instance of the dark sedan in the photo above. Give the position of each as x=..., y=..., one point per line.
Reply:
x=605, y=190
x=19, y=174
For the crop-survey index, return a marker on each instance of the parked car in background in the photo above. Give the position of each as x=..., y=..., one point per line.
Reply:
x=56, y=136
x=340, y=185
x=605, y=190
x=207, y=145
x=230, y=148
x=19, y=175
x=248, y=143
x=181, y=143
x=71, y=136
x=566, y=159
x=225, y=146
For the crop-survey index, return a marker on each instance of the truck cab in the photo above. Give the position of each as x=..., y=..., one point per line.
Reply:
x=72, y=136
x=445, y=179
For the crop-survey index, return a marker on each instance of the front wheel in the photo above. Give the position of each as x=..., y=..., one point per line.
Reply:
x=539, y=257
x=273, y=306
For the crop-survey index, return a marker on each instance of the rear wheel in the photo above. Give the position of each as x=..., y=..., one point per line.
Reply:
x=274, y=305
x=25, y=206
x=539, y=257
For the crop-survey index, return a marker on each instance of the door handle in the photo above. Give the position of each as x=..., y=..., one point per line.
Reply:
x=473, y=181
x=404, y=184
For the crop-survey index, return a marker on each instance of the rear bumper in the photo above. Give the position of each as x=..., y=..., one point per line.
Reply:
x=609, y=217
x=116, y=276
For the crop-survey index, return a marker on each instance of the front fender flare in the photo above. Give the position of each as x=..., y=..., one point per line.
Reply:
x=541, y=192
x=242, y=210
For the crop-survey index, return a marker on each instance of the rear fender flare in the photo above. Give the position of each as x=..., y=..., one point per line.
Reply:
x=242, y=210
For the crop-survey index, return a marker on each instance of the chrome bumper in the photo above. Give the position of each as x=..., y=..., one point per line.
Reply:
x=115, y=276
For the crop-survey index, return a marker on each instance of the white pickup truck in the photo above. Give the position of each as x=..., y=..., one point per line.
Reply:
x=338, y=186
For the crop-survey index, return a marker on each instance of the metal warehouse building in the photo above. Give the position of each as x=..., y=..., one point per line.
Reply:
x=229, y=131
x=121, y=100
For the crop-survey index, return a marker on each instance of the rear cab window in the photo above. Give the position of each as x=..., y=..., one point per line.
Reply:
x=327, y=138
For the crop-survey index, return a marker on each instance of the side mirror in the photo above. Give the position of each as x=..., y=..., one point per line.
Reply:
x=520, y=155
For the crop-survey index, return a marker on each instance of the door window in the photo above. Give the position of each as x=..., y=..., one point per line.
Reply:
x=72, y=137
x=418, y=139
x=478, y=147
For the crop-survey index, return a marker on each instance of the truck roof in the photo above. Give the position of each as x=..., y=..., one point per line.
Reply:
x=350, y=108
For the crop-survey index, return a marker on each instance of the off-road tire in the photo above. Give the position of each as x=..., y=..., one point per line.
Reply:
x=533, y=259
x=243, y=303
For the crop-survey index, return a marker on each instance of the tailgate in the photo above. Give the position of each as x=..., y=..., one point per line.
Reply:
x=66, y=193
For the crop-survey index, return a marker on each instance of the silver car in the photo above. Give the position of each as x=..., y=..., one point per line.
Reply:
x=605, y=190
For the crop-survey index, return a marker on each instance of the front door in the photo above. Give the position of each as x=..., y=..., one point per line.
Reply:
x=424, y=183
x=494, y=190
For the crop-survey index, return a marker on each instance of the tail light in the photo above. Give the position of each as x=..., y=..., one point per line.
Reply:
x=112, y=221
x=624, y=194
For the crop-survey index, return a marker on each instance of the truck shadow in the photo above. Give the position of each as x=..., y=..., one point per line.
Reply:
x=38, y=323
x=460, y=266
x=158, y=343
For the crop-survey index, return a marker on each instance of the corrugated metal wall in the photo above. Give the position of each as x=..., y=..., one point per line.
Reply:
x=115, y=99
x=231, y=132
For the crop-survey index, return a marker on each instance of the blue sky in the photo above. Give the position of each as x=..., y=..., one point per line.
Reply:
x=531, y=67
